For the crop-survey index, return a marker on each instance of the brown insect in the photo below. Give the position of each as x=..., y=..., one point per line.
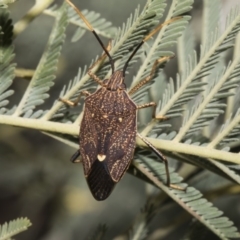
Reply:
x=109, y=126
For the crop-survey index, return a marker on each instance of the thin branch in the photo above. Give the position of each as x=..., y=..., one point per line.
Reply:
x=193, y=74
x=175, y=197
x=204, y=152
x=8, y=230
x=144, y=66
x=224, y=132
x=123, y=35
x=81, y=24
x=206, y=101
x=70, y=93
x=230, y=100
x=41, y=125
x=24, y=73
x=35, y=11
x=164, y=145
x=46, y=70
x=63, y=140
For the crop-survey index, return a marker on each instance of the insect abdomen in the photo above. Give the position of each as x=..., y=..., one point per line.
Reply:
x=100, y=181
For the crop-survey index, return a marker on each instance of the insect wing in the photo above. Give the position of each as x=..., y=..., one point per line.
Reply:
x=105, y=174
x=107, y=141
x=121, y=147
x=99, y=181
x=88, y=142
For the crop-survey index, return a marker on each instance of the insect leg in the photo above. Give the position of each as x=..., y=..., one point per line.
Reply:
x=151, y=75
x=159, y=154
x=75, y=156
x=164, y=160
x=75, y=103
x=154, y=105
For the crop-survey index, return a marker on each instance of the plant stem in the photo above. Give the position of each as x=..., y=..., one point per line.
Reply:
x=36, y=10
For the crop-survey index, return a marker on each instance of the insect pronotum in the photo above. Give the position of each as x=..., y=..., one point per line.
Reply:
x=109, y=125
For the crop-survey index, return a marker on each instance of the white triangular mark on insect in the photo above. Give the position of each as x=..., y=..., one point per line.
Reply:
x=101, y=157
x=120, y=119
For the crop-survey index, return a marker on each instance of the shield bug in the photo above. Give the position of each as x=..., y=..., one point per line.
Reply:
x=109, y=125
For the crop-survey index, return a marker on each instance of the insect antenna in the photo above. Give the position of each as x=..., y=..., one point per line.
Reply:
x=146, y=38
x=93, y=31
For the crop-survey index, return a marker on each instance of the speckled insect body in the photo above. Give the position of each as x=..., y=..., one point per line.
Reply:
x=109, y=126
x=107, y=136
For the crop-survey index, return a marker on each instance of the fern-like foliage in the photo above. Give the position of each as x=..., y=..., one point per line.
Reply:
x=6, y=56
x=229, y=133
x=210, y=105
x=190, y=199
x=188, y=86
x=211, y=18
x=44, y=75
x=8, y=230
x=193, y=101
x=214, y=107
x=167, y=37
x=126, y=38
x=4, y=3
x=101, y=26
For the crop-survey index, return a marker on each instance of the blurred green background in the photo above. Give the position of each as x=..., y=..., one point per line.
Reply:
x=37, y=179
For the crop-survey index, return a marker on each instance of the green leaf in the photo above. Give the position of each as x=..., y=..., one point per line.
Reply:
x=6, y=56
x=100, y=25
x=4, y=3
x=175, y=97
x=8, y=230
x=44, y=75
x=132, y=32
x=165, y=39
x=190, y=199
